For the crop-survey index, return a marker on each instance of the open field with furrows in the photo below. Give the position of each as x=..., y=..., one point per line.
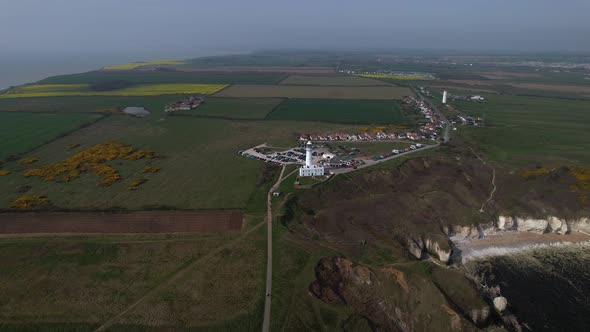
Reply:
x=145, y=77
x=530, y=130
x=83, y=104
x=318, y=92
x=21, y=132
x=235, y=108
x=63, y=90
x=341, y=111
x=260, y=70
x=94, y=278
x=197, y=158
x=134, y=65
x=112, y=223
x=224, y=293
x=341, y=80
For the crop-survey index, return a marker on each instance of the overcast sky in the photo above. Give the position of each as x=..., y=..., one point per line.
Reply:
x=183, y=28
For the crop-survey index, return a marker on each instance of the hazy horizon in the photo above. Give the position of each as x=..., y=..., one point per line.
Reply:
x=67, y=36
x=179, y=28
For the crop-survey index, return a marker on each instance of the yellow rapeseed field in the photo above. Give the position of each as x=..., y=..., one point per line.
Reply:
x=133, y=65
x=66, y=90
x=396, y=77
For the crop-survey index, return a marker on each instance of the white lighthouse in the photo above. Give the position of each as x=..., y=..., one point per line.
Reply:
x=308, y=154
x=309, y=169
x=444, y=100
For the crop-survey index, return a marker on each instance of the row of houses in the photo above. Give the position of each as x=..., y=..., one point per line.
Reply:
x=376, y=136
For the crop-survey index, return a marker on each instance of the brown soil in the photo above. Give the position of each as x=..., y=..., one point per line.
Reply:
x=507, y=74
x=547, y=87
x=286, y=70
x=134, y=222
x=319, y=92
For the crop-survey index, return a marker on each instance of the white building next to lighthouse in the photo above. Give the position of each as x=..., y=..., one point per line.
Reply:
x=309, y=169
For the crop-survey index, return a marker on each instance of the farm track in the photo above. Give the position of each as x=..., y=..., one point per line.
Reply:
x=268, y=288
x=175, y=277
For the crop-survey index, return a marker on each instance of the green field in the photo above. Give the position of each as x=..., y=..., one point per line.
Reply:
x=530, y=130
x=93, y=278
x=200, y=168
x=154, y=104
x=341, y=111
x=21, y=132
x=235, y=108
x=94, y=77
x=331, y=80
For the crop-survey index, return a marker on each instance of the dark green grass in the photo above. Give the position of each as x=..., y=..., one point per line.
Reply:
x=236, y=108
x=21, y=132
x=85, y=104
x=165, y=77
x=200, y=168
x=340, y=111
x=531, y=130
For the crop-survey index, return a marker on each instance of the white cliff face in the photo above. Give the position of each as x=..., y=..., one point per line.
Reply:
x=531, y=225
x=471, y=232
x=557, y=225
x=434, y=248
x=505, y=223
x=579, y=225
x=418, y=246
x=551, y=224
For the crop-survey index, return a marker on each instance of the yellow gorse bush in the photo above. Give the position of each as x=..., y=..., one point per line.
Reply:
x=27, y=161
x=29, y=202
x=91, y=160
x=151, y=169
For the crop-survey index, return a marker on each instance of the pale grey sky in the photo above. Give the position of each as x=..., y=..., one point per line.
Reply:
x=183, y=28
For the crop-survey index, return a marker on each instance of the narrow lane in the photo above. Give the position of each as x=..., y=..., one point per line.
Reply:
x=267, y=292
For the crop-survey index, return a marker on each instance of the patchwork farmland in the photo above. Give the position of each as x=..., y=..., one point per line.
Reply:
x=340, y=80
x=315, y=92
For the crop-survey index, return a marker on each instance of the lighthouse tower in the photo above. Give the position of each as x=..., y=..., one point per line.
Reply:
x=308, y=154
x=309, y=169
x=444, y=99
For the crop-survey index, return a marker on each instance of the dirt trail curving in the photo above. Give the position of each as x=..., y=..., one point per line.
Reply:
x=493, y=181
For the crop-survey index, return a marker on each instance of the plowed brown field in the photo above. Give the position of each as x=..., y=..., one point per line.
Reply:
x=134, y=222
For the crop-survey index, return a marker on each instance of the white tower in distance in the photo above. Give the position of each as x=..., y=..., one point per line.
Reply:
x=444, y=101
x=309, y=169
x=308, y=154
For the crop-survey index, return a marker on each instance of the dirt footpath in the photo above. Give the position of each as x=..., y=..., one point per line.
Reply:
x=133, y=222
